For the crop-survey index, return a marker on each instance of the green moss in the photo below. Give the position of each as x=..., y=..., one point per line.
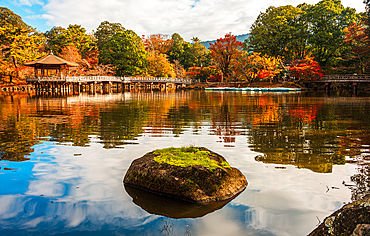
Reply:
x=187, y=157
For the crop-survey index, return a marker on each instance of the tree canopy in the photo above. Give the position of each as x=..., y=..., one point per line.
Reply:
x=294, y=32
x=126, y=52
x=19, y=43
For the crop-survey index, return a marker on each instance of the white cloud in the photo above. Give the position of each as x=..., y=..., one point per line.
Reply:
x=205, y=19
x=30, y=3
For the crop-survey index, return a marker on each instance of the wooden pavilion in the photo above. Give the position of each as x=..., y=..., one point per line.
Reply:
x=50, y=65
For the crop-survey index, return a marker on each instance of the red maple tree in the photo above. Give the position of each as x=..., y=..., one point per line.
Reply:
x=224, y=51
x=356, y=37
x=306, y=69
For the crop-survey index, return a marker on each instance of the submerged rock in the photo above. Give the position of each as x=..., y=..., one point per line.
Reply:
x=351, y=219
x=195, y=183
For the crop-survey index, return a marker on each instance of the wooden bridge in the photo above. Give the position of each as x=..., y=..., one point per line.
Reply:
x=353, y=79
x=78, y=83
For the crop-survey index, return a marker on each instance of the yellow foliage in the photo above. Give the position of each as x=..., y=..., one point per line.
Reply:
x=159, y=66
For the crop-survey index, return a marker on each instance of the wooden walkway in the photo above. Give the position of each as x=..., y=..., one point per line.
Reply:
x=92, y=83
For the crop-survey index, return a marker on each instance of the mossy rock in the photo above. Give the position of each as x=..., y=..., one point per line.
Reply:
x=348, y=220
x=210, y=178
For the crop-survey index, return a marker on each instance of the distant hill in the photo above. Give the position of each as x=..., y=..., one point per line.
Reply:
x=240, y=38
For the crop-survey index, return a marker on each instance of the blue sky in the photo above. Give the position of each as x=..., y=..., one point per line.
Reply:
x=205, y=19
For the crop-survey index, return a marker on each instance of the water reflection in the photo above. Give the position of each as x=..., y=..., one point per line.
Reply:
x=63, y=159
x=172, y=207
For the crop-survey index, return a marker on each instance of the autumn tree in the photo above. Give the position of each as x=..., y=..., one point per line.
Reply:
x=158, y=43
x=306, y=69
x=159, y=66
x=224, y=51
x=251, y=66
x=125, y=51
x=179, y=70
x=204, y=74
x=19, y=43
x=356, y=37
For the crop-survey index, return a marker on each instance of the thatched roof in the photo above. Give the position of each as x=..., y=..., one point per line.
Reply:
x=50, y=60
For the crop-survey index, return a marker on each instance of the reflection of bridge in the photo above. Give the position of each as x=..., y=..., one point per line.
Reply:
x=352, y=79
x=76, y=83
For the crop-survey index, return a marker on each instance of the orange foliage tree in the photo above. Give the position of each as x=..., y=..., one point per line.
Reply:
x=306, y=69
x=71, y=53
x=251, y=66
x=224, y=51
x=179, y=69
x=158, y=65
x=357, y=38
x=157, y=43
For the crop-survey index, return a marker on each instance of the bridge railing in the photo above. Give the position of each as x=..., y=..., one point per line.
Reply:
x=83, y=79
x=346, y=78
x=46, y=79
x=115, y=79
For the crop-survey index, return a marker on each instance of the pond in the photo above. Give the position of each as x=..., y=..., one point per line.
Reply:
x=63, y=159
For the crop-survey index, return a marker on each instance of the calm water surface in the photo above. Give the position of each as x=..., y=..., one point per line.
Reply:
x=63, y=160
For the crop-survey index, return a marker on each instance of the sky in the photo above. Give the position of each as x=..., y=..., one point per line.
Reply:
x=205, y=19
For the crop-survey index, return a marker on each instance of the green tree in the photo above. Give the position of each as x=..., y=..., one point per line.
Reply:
x=74, y=35
x=293, y=32
x=280, y=31
x=367, y=18
x=198, y=54
x=105, y=31
x=328, y=19
x=188, y=54
x=177, y=49
x=125, y=50
x=55, y=39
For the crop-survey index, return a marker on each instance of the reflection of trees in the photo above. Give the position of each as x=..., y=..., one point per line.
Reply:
x=312, y=135
x=18, y=130
x=179, y=117
x=124, y=122
x=305, y=149
x=224, y=123
x=18, y=136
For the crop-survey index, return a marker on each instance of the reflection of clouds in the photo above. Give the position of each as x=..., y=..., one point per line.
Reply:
x=76, y=190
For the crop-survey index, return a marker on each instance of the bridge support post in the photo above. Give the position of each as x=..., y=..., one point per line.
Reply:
x=327, y=88
x=94, y=87
x=355, y=88
x=109, y=87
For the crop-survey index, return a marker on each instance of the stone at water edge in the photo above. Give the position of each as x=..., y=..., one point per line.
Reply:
x=348, y=220
x=195, y=184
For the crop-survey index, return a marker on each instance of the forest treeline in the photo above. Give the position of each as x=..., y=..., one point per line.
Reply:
x=300, y=42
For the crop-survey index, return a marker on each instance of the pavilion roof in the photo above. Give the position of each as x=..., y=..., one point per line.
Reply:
x=50, y=60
